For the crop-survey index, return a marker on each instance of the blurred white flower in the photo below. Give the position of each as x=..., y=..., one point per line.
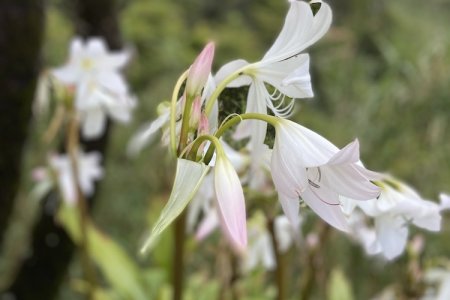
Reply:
x=60, y=173
x=397, y=206
x=100, y=89
x=441, y=278
x=260, y=248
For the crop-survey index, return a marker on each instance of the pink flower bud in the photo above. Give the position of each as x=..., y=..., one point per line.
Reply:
x=203, y=126
x=200, y=70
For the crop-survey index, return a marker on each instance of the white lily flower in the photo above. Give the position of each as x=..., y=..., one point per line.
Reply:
x=89, y=169
x=100, y=89
x=306, y=165
x=397, y=206
x=282, y=67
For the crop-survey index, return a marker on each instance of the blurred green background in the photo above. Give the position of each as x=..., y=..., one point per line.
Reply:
x=380, y=74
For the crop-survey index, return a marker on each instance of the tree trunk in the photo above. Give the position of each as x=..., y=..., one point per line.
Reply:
x=21, y=31
x=42, y=273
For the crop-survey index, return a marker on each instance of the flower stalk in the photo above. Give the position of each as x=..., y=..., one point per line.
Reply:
x=72, y=147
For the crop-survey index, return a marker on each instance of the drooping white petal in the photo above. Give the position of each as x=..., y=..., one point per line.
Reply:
x=291, y=207
x=291, y=76
x=230, y=203
x=301, y=29
x=392, y=234
x=146, y=134
x=113, y=82
x=228, y=69
x=288, y=174
x=254, y=128
x=445, y=201
x=325, y=203
x=94, y=122
x=188, y=178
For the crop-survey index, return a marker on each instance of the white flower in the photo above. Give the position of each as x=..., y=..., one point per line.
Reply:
x=260, y=249
x=397, y=206
x=89, y=171
x=100, y=89
x=441, y=277
x=306, y=165
x=282, y=67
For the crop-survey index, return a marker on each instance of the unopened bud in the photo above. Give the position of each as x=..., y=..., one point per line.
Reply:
x=199, y=71
x=203, y=126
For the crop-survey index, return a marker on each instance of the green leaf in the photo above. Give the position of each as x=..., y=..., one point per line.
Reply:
x=118, y=268
x=339, y=287
x=188, y=178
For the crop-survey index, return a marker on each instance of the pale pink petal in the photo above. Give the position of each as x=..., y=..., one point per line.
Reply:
x=200, y=70
x=230, y=203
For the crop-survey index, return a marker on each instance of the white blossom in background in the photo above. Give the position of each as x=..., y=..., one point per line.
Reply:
x=392, y=212
x=59, y=173
x=260, y=248
x=440, y=278
x=94, y=73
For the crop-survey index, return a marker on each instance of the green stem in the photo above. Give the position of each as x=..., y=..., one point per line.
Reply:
x=222, y=85
x=236, y=119
x=173, y=111
x=185, y=124
x=178, y=257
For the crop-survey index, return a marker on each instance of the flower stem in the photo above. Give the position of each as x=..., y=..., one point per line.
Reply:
x=280, y=259
x=307, y=283
x=178, y=257
x=222, y=85
x=72, y=148
x=173, y=111
x=236, y=119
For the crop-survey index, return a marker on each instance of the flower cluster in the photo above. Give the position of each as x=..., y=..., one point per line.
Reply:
x=90, y=89
x=302, y=166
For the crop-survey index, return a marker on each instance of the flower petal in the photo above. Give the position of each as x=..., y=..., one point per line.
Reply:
x=94, y=122
x=291, y=207
x=392, y=234
x=228, y=69
x=325, y=203
x=230, y=203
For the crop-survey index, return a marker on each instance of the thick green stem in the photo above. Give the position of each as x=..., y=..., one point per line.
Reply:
x=178, y=257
